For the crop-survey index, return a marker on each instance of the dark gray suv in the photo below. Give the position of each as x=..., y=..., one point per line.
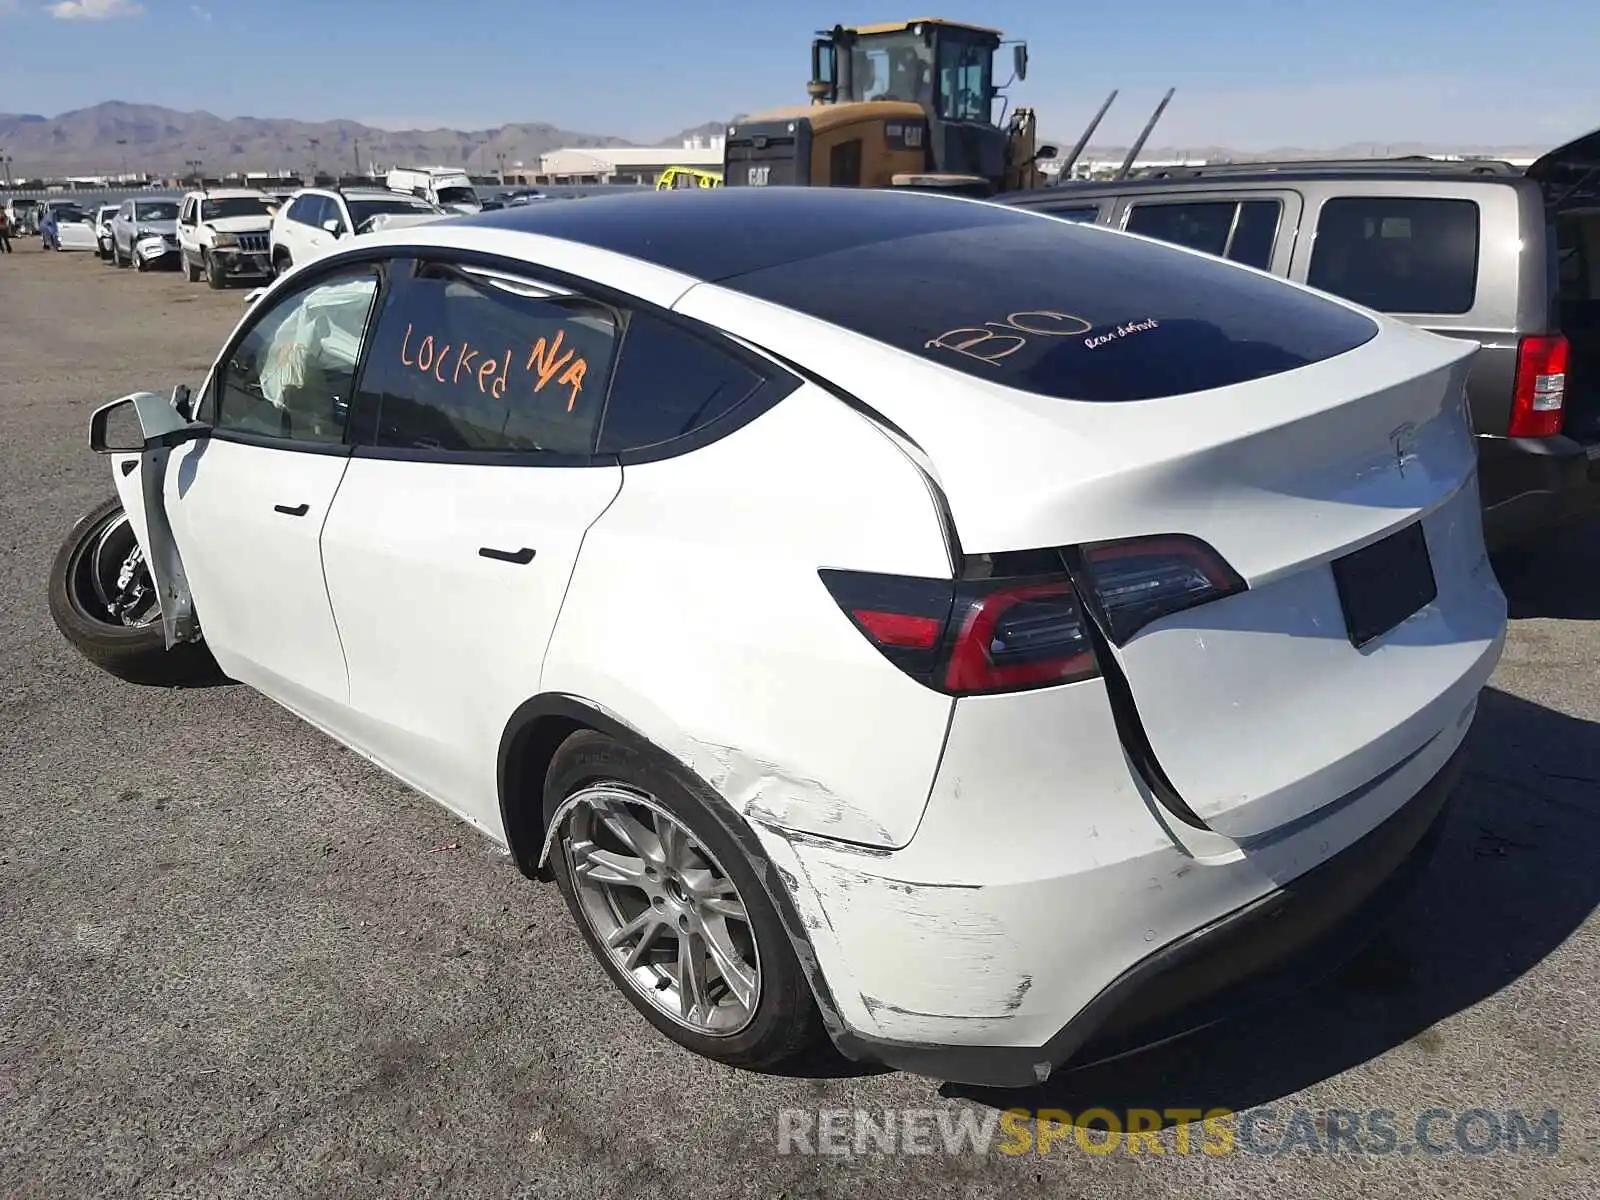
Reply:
x=1507, y=257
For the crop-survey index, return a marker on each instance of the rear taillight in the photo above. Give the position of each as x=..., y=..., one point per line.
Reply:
x=1140, y=580
x=1541, y=387
x=1008, y=635
x=1016, y=621
x=1001, y=633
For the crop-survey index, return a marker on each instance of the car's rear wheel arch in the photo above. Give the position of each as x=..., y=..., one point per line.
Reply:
x=528, y=747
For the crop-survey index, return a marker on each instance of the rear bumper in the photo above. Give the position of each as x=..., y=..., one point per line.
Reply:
x=1531, y=485
x=1264, y=949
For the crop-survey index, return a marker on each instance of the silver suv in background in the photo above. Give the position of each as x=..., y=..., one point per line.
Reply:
x=1479, y=250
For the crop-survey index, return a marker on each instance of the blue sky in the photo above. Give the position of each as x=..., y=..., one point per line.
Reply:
x=1249, y=73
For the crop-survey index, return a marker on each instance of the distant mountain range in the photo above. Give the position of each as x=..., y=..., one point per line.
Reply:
x=114, y=136
x=117, y=136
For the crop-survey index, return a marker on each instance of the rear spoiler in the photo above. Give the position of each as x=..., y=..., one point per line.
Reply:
x=1570, y=174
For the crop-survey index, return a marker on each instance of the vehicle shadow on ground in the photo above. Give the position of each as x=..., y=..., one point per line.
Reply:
x=1558, y=576
x=1513, y=878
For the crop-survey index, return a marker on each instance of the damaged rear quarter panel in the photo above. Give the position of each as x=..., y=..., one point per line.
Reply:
x=696, y=613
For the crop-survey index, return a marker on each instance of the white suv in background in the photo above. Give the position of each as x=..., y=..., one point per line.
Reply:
x=315, y=219
x=225, y=234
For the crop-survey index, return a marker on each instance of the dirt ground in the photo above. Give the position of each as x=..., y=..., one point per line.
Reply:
x=238, y=961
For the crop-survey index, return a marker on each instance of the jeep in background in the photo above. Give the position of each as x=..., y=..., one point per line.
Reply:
x=224, y=234
x=1485, y=251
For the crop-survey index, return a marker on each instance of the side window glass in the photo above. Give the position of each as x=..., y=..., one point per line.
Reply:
x=465, y=360
x=1398, y=254
x=1088, y=214
x=668, y=383
x=300, y=210
x=1201, y=226
x=292, y=374
x=1254, y=233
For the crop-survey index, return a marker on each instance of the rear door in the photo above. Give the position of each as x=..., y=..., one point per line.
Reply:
x=1253, y=227
x=457, y=526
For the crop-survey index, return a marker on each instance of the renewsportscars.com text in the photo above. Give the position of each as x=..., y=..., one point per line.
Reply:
x=1266, y=1131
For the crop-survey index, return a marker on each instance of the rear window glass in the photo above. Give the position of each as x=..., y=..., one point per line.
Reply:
x=1398, y=254
x=1203, y=226
x=467, y=362
x=1066, y=310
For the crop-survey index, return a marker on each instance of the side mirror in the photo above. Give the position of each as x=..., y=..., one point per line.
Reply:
x=183, y=402
x=131, y=423
x=332, y=226
x=1045, y=153
x=253, y=295
x=1019, y=59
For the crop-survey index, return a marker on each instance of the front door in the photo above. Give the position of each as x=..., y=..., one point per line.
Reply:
x=247, y=504
x=458, y=524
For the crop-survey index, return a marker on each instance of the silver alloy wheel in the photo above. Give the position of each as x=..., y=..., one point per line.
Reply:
x=672, y=920
x=118, y=578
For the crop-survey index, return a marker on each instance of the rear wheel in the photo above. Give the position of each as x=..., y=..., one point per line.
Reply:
x=214, y=276
x=190, y=270
x=672, y=907
x=281, y=262
x=104, y=602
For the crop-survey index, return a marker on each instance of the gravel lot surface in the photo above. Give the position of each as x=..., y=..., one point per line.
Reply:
x=238, y=961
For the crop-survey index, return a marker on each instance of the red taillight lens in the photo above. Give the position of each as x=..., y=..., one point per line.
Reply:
x=1140, y=580
x=901, y=630
x=1017, y=636
x=1541, y=387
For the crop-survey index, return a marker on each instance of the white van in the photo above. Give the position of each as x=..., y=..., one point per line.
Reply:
x=450, y=189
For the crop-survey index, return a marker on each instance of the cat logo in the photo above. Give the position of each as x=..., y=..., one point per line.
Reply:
x=759, y=175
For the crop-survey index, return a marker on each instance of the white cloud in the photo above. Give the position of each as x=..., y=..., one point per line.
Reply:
x=203, y=14
x=94, y=10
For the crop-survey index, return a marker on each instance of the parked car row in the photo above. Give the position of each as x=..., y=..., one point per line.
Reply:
x=227, y=235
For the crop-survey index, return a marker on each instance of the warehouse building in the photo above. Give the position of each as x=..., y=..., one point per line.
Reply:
x=620, y=164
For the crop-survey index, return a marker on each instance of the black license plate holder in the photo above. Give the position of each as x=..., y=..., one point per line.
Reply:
x=1382, y=584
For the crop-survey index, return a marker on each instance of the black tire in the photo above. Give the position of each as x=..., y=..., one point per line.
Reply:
x=215, y=279
x=137, y=654
x=191, y=271
x=281, y=263
x=785, y=1022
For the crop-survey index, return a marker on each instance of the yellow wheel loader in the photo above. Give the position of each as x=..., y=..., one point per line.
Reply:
x=906, y=104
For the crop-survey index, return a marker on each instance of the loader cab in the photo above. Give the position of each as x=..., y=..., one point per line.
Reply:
x=946, y=70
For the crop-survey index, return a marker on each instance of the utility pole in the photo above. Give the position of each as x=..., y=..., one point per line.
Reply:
x=500, y=164
x=122, y=144
x=315, y=142
x=5, y=161
x=357, y=153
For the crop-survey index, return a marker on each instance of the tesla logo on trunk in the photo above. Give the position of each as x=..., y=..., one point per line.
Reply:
x=1403, y=439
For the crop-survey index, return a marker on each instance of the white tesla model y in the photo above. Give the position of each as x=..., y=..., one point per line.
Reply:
x=975, y=635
